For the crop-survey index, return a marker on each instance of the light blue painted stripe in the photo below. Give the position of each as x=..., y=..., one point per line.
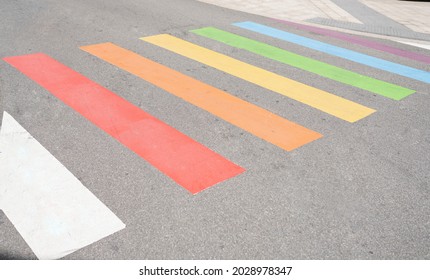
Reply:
x=368, y=60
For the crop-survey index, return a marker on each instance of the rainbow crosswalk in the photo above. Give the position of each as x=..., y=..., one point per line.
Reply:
x=186, y=161
x=319, y=99
x=377, y=63
x=308, y=64
x=262, y=123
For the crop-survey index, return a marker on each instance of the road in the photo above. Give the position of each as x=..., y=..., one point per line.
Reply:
x=361, y=191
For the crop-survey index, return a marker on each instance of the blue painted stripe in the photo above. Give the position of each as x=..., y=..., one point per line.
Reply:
x=368, y=60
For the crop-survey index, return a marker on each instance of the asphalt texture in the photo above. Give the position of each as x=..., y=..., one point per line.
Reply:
x=373, y=21
x=360, y=192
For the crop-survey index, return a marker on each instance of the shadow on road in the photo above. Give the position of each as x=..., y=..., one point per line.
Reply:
x=11, y=256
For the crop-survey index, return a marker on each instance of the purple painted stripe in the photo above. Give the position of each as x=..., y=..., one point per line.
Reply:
x=359, y=41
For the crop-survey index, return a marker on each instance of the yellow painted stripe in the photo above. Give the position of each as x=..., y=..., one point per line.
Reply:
x=319, y=99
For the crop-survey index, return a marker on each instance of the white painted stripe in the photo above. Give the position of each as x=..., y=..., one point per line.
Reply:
x=423, y=46
x=55, y=214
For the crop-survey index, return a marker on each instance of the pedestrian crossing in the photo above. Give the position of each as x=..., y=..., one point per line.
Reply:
x=256, y=120
x=139, y=131
x=189, y=163
x=360, y=41
x=51, y=209
x=319, y=99
x=186, y=161
x=381, y=64
x=311, y=65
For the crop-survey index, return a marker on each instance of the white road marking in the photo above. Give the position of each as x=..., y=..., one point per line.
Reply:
x=423, y=46
x=55, y=214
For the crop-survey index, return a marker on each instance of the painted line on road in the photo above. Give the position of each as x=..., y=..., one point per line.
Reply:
x=324, y=101
x=364, y=59
x=51, y=209
x=308, y=64
x=264, y=124
x=422, y=46
x=360, y=41
x=187, y=162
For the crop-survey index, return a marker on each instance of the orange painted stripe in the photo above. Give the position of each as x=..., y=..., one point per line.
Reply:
x=255, y=120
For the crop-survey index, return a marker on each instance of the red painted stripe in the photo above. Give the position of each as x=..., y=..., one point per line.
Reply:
x=189, y=163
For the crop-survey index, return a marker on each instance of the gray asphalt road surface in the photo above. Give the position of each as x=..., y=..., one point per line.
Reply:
x=360, y=192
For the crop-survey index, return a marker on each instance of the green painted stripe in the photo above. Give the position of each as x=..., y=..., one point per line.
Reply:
x=323, y=69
